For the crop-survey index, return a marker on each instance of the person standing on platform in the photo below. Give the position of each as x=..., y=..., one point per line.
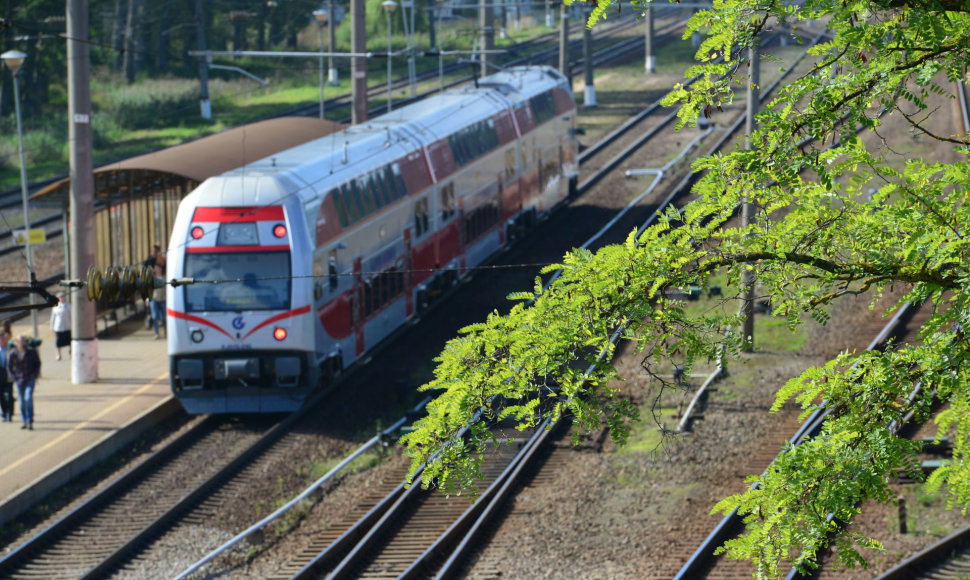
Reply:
x=6, y=386
x=158, y=295
x=61, y=324
x=24, y=367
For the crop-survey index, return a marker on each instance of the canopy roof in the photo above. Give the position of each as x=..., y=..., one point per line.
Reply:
x=200, y=159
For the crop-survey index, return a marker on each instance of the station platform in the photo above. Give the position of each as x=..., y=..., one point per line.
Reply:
x=75, y=426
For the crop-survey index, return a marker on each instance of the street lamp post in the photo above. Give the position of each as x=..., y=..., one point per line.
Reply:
x=332, y=73
x=321, y=16
x=389, y=6
x=14, y=59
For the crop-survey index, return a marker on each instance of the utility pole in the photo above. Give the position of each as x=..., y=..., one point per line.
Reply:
x=84, y=341
x=487, y=20
x=564, y=43
x=747, y=208
x=203, y=62
x=358, y=65
x=332, y=73
x=649, y=64
x=589, y=93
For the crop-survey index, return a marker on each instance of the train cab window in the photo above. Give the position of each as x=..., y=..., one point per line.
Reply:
x=421, y=217
x=341, y=210
x=448, y=201
x=332, y=269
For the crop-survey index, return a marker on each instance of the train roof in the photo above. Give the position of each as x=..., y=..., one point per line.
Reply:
x=316, y=166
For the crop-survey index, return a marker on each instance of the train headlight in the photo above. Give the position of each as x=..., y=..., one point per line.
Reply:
x=279, y=333
x=196, y=335
x=197, y=232
x=279, y=230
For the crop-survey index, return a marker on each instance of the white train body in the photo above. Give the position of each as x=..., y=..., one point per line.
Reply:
x=332, y=245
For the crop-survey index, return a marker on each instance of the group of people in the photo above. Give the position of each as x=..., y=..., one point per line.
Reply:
x=20, y=368
x=20, y=362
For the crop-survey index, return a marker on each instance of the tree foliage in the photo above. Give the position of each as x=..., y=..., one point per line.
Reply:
x=835, y=218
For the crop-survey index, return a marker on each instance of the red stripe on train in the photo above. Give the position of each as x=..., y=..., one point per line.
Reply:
x=191, y=318
x=227, y=249
x=278, y=317
x=238, y=214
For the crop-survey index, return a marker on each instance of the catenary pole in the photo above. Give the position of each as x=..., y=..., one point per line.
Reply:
x=204, y=103
x=564, y=42
x=358, y=65
x=589, y=92
x=649, y=64
x=487, y=21
x=748, y=208
x=84, y=342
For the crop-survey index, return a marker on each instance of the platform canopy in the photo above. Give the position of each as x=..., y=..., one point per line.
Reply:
x=185, y=166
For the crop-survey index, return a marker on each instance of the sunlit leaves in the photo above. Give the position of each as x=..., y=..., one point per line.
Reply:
x=834, y=219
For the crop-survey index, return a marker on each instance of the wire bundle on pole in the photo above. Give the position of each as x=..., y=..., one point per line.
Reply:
x=120, y=283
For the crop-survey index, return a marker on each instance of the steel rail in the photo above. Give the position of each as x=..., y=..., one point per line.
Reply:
x=282, y=510
x=108, y=493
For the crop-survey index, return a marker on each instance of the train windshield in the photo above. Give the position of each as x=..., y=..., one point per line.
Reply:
x=254, y=281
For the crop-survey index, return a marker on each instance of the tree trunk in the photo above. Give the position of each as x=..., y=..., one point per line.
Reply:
x=131, y=42
x=261, y=27
x=161, y=59
x=118, y=33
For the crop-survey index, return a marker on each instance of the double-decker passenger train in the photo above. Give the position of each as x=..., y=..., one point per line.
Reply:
x=304, y=261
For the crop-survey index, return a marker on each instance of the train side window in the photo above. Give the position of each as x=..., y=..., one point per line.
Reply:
x=341, y=210
x=352, y=208
x=398, y=180
x=332, y=269
x=361, y=185
x=491, y=135
x=421, y=217
x=358, y=201
x=448, y=201
x=457, y=151
x=375, y=192
x=383, y=188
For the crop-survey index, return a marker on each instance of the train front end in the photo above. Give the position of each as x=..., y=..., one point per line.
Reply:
x=239, y=326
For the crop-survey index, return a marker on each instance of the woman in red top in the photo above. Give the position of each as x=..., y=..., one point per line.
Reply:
x=24, y=368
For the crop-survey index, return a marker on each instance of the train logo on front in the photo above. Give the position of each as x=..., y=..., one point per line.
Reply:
x=238, y=323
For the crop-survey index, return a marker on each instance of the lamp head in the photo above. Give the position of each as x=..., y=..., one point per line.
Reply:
x=389, y=6
x=14, y=59
x=321, y=16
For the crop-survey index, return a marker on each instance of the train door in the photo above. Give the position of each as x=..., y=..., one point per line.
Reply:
x=356, y=319
x=408, y=284
x=501, y=207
